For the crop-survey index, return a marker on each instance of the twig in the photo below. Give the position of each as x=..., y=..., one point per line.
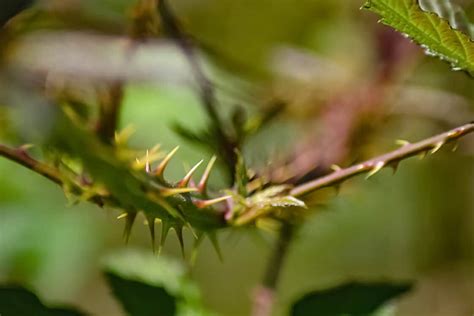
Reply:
x=206, y=87
x=265, y=295
x=391, y=159
x=20, y=156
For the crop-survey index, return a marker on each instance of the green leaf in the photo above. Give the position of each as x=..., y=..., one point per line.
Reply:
x=146, y=284
x=428, y=29
x=18, y=301
x=353, y=299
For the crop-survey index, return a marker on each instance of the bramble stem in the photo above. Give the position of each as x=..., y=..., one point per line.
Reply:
x=265, y=294
x=20, y=156
x=391, y=159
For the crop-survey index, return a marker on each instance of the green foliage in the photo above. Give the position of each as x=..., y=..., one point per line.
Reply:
x=431, y=31
x=18, y=301
x=150, y=285
x=353, y=299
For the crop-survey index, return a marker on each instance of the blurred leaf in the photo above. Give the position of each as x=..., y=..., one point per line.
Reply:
x=149, y=285
x=10, y=8
x=141, y=299
x=353, y=299
x=433, y=33
x=18, y=301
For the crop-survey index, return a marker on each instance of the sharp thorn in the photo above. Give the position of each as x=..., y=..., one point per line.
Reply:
x=422, y=155
x=151, y=227
x=215, y=244
x=402, y=142
x=436, y=147
x=335, y=167
x=194, y=251
x=165, y=229
x=179, y=233
x=207, y=203
x=130, y=219
x=185, y=181
x=378, y=166
x=147, y=162
x=173, y=191
x=123, y=215
x=455, y=147
x=202, y=186
x=337, y=187
x=162, y=166
x=394, y=166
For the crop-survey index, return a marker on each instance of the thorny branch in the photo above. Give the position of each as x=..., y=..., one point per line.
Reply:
x=392, y=159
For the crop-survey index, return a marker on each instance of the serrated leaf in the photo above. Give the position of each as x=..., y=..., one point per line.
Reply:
x=429, y=30
x=18, y=301
x=353, y=299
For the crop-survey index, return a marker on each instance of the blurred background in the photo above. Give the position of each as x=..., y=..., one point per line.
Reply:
x=350, y=88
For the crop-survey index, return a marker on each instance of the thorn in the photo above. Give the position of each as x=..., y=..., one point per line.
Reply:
x=130, y=219
x=173, y=191
x=402, y=142
x=162, y=166
x=179, y=233
x=455, y=147
x=185, y=181
x=151, y=227
x=165, y=229
x=422, y=155
x=194, y=251
x=337, y=188
x=205, y=176
x=378, y=166
x=123, y=215
x=335, y=167
x=25, y=147
x=207, y=203
x=394, y=166
x=215, y=243
x=147, y=162
x=437, y=147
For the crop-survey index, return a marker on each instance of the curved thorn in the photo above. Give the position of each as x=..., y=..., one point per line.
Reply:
x=207, y=203
x=151, y=227
x=436, y=147
x=123, y=215
x=185, y=181
x=165, y=229
x=179, y=233
x=130, y=219
x=202, y=186
x=394, y=166
x=402, y=142
x=378, y=166
x=335, y=167
x=162, y=166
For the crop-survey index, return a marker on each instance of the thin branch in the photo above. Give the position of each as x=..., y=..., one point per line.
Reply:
x=265, y=295
x=20, y=156
x=207, y=91
x=391, y=159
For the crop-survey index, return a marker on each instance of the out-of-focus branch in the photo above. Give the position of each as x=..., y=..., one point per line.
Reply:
x=264, y=296
x=173, y=29
x=391, y=159
x=343, y=118
x=20, y=156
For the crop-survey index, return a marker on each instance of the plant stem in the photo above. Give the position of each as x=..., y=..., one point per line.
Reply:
x=265, y=294
x=391, y=159
x=20, y=156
